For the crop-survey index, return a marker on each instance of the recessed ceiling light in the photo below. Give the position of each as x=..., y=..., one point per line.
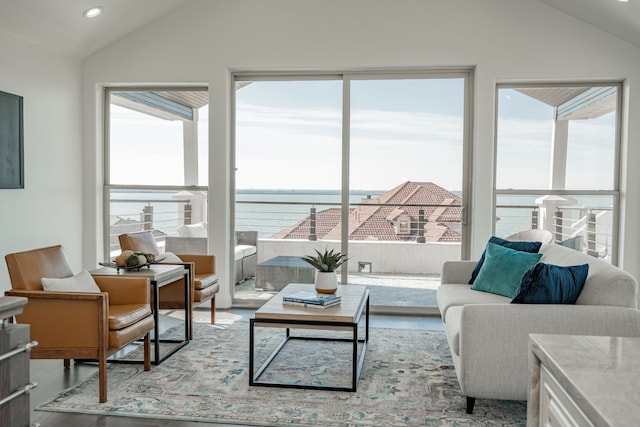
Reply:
x=92, y=12
x=623, y=1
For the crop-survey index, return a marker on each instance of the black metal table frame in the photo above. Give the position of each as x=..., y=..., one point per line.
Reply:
x=155, y=339
x=357, y=363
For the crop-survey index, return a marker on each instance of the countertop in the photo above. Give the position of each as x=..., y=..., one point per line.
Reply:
x=601, y=374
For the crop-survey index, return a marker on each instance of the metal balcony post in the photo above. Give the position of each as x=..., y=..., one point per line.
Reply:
x=591, y=234
x=420, y=238
x=147, y=217
x=187, y=213
x=312, y=224
x=557, y=220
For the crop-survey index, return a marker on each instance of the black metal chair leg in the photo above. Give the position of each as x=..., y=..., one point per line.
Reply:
x=471, y=401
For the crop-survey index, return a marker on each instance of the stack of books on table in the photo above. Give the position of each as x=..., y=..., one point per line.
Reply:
x=311, y=299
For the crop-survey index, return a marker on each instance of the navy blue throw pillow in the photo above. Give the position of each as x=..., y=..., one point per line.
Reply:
x=551, y=284
x=531, y=247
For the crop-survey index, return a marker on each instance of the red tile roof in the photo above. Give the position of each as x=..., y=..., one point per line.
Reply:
x=376, y=222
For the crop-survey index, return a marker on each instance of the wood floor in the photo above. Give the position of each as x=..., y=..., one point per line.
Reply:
x=52, y=378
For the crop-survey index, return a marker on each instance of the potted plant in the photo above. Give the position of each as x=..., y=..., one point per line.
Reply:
x=326, y=264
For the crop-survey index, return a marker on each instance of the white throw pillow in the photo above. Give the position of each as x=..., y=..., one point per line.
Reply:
x=168, y=258
x=193, y=230
x=81, y=282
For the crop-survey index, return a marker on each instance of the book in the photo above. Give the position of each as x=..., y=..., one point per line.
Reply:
x=308, y=297
x=303, y=304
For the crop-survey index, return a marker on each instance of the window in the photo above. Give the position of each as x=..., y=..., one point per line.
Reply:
x=557, y=163
x=156, y=169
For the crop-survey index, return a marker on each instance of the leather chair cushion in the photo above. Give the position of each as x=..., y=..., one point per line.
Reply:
x=124, y=315
x=121, y=337
x=205, y=280
x=26, y=269
x=139, y=241
x=204, y=294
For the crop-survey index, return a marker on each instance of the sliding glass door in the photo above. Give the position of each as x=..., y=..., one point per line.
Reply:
x=373, y=165
x=407, y=158
x=288, y=166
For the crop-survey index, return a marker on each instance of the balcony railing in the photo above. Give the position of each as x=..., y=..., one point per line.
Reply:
x=586, y=228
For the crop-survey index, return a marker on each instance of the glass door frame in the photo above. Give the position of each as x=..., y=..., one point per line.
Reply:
x=465, y=73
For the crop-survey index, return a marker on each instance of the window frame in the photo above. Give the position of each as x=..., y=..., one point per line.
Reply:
x=467, y=74
x=107, y=186
x=614, y=192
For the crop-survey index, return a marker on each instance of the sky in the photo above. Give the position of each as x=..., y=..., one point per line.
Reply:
x=400, y=130
x=288, y=136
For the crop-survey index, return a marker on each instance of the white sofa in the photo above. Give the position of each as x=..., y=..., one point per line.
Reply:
x=488, y=336
x=192, y=239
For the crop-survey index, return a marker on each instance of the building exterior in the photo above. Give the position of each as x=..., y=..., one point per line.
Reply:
x=405, y=213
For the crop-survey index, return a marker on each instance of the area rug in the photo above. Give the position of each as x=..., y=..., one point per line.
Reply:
x=408, y=379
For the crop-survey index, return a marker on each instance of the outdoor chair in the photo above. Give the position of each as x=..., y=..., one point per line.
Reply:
x=88, y=322
x=204, y=280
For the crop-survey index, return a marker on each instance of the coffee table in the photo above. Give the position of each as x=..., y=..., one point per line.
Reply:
x=345, y=316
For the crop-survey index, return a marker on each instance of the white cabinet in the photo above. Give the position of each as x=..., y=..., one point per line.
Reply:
x=583, y=381
x=14, y=365
x=557, y=409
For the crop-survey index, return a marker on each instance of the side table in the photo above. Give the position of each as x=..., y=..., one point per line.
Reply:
x=159, y=275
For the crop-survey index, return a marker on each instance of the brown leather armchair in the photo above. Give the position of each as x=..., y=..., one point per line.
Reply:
x=204, y=285
x=78, y=325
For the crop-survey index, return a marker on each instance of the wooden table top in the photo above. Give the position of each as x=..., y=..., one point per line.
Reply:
x=156, y=272
x=349, y=310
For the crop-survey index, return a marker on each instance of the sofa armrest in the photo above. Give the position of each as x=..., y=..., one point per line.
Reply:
x=457, y=272
x=494, y=339
x=124, y=290
x=64, y=319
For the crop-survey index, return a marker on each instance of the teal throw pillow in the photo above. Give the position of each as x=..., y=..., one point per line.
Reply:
x=503, y=269
x=551, y=284
x=533, y=247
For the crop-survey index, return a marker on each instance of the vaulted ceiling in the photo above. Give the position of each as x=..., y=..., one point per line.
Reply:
x=58, y=25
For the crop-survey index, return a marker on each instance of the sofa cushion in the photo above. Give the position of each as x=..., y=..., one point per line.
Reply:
x=457, y=295
x=192, y=230
x=531, y=247
x=81, y=282
x=503, y=269
x=551, y=284
x=247, y=250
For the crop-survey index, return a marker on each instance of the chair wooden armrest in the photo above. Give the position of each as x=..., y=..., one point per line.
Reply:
x=125, y=290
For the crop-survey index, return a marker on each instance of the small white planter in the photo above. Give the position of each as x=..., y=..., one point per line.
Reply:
x=326, y=282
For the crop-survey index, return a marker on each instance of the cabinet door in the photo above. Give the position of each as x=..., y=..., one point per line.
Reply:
x=557, y=409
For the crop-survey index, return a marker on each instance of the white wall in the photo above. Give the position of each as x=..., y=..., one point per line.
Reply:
x=48, y=211
x=505, y=40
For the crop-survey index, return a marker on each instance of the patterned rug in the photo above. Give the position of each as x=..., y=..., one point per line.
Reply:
x=408, y=379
